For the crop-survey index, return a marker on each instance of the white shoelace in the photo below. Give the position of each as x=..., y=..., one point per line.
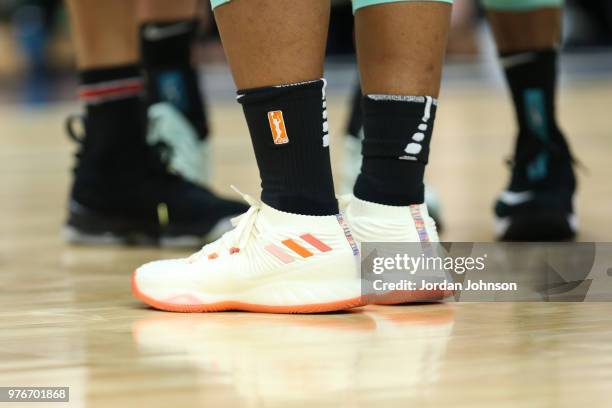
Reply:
x=238, y=238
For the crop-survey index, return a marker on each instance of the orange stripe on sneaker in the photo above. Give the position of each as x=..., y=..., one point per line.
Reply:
x=297, y=248
x=315, y=242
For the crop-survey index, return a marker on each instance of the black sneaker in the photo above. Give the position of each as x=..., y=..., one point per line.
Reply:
x=123, y=194
x=538, y=204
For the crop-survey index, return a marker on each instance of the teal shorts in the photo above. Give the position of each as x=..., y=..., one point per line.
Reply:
x=216, y=3
x=509, y=5
x=357, y=4
x=520, y=5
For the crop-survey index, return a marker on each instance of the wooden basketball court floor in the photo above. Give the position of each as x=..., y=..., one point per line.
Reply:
x=67, y=317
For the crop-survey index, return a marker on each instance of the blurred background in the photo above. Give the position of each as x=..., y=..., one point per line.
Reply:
x=68, y=317
x=37, y=64
x=474, y=133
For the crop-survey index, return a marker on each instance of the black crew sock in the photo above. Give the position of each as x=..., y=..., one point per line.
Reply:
x=395, y=148
x=288, y=126
x=354, y=125
x=171, y=77
x=114, y=143
x=532, y=78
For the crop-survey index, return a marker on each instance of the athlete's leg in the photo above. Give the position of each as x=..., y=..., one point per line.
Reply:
x=401, y=49
x=352, y=157
x=291, y=253
x=121, y=190
x=167, y=33
x=413, y=70
x=282, y=42
x=105, y=39
x=104, y=32
x=164, y=10
x=527, y=34
x=519, y=26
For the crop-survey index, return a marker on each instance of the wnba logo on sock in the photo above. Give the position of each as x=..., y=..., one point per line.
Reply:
x=277, y=126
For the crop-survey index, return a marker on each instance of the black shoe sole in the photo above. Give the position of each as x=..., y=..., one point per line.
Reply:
x=87, y=227
x=76, y=236
x=538, y=226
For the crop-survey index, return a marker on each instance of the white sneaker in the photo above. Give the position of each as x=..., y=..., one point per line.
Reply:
x=189, y=156
x=351, y=167
x=372, y=222
x=272, y=262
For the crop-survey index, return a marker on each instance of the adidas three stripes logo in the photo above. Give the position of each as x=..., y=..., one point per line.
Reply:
x=291, y=249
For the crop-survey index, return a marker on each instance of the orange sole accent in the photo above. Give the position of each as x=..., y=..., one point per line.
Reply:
x=398, y=297
x=246, y=307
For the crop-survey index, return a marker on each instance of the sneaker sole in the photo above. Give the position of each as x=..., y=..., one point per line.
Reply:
x=549, y=226
x=399, y=297
x=223, y=306
x=74, y=235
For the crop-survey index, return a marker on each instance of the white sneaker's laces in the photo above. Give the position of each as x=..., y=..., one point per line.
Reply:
x=232, y=241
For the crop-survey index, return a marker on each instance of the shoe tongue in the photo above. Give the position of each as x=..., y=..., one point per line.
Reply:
x=277, y=218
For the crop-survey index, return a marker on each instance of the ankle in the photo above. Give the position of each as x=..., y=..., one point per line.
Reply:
x=397, y=132
x=288, y=126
